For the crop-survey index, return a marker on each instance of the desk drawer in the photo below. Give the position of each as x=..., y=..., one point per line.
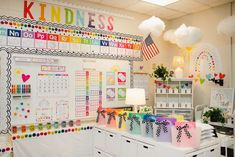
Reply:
x=99, y=138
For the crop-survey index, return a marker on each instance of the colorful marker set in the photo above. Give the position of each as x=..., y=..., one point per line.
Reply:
x=21, y=89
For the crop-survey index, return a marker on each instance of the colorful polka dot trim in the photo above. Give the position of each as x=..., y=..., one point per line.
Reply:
x=63, y=30
x=47, y=133
x=8, y=149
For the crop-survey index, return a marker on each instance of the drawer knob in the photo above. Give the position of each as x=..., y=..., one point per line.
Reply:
x=99, y=152
x=111, y=135
x=128, y=141
x=99, y=131
x=145, y=147
x=212, y=150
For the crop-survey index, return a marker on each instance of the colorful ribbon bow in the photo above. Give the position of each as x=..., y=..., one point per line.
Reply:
x=111, y=115
x=121, y=118
x=132, y=119
x=161, y=126
x=100, y=113
x=148, y=125
x=185, y=128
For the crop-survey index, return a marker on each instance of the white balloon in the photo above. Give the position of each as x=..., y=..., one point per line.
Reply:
x=154, y=26
x=227, y=26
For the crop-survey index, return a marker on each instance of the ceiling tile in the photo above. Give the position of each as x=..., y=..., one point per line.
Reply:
x=185, y=5
x=119, y=4
x=164, y=12
x=214, y=2
x=177, y=15
x=143, y=7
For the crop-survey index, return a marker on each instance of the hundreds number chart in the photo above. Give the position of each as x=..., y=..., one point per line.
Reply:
x=88, y=93
x=95, y=98
x=53, y=84
x=80, y=93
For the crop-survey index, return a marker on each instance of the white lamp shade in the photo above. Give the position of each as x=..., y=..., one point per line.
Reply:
x=178, y=61
x=135, y=96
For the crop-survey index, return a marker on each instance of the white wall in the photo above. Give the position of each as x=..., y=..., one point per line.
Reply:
x=207, y=21
x=233, y=54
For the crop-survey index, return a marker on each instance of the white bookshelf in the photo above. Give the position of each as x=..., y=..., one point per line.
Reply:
x=174, y=97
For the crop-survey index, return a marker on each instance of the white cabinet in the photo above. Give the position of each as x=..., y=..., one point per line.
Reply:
x=112, y=143
x=145, y=150
x=99, y=138
x=128, y=147
x=122, y=144
x=106, y=141
x=100, y=153
x=212, y=151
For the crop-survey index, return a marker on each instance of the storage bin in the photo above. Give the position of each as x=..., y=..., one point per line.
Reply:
x=162, y=129
x=101, y=117
x=111, y=119
x=186, y=134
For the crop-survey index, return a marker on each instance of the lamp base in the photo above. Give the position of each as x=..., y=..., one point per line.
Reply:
x=135, y=109
x=179, y=73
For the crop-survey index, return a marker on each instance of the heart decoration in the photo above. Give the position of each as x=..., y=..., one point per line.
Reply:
x=208, y=76
x=215, y=75
x=199, y=75
x=164, y=86
x=221, y=76
x=168, y=87
x=25, y=77
x=159, y=84
x=190, y=76
x=195, y=80
x=202, y=80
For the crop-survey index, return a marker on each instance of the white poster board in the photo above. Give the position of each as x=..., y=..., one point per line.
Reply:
x=80, y=82
x=222, y=98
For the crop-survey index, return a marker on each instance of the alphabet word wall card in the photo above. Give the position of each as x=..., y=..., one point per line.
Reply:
x=53, y=84
x=88, y=93
x=29, y=34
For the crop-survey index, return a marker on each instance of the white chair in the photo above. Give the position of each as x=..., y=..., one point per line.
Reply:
x=199, y=110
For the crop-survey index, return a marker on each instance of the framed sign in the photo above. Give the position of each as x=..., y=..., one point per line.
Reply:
x=222, y=98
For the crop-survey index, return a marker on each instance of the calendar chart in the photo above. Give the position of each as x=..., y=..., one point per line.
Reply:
x=53, y=84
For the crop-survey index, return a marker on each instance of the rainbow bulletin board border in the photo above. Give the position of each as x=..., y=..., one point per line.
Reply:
x=15, y=27
x=208, y=53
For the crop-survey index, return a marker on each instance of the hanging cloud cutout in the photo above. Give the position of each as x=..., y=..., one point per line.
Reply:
x=187, y=36
x=184, y=36
x=227, y=26
x=170, y=36
x=154, y=26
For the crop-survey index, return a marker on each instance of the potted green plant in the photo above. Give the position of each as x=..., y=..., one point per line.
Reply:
x=214, y=115
x=161, y=72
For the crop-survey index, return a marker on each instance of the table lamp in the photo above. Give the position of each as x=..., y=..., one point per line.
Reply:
x=135, y=97
x=178, y=63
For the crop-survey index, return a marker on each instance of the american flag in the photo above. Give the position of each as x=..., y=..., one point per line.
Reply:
x=149, y=48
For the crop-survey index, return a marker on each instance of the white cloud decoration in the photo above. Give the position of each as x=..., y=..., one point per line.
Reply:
x=170, y=36
x=184, y=36
x=154, y=26
x=227, y=26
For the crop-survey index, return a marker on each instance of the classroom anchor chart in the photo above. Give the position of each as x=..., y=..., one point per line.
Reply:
x=88, y=93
